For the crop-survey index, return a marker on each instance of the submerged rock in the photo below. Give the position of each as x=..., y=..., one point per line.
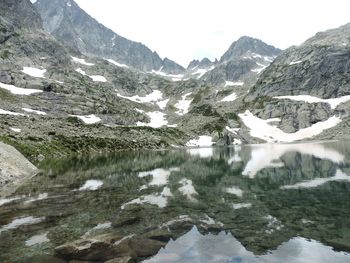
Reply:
x=109, y=247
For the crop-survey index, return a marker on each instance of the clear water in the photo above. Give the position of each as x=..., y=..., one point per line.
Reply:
x=258, y=203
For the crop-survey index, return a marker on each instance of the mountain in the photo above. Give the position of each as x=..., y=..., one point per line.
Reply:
x=246, y=44
x=73, y=27
x=245, y=59
x=308, y=85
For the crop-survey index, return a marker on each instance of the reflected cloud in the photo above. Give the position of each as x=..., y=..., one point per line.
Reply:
x=268, y=155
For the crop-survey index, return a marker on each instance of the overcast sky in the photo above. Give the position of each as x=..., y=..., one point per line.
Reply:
x=183, y=30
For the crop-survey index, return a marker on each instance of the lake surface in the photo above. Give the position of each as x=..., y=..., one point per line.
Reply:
x=254, y=203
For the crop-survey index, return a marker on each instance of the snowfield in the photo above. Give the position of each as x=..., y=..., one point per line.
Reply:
x=261, y=129
x=19, y=91
x=202, y=141
x=183, y=105
x=34, y=72
x=311, y=99
x=81, y=61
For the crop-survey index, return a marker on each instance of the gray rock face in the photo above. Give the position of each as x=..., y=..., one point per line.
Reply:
x=14, y=166
x=19, y=14
x=319, y=67
x=65, y=20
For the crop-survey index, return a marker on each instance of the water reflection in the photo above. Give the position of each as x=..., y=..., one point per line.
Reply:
x=264, y=197
x=224, y=248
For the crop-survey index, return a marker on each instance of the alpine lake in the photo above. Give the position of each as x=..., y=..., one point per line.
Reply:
x=245, y=203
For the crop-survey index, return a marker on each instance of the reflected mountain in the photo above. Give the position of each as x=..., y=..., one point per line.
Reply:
x=256, y=202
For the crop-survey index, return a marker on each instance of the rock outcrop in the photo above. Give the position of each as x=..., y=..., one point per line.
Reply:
x=13, y=165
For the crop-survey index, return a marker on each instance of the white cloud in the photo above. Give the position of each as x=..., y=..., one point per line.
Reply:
x=183, y=30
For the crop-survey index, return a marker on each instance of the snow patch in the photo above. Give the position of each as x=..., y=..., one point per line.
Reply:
x=173, y=77
x=34, y=72
x=202, y=141
x=295, y=62
x=19, y=91
x=157, y=120
x=162, y=104
x=81, y=61
x=260, y=69
x=34, y=111
x=311, y=99
x=91, y=185
x=98, y=78
x=16, y=130
x=261, y=129
x=82, y=72
x=117, y=63
x=230, y=83
x=234, y=191
x=90, y=119
x=230, y=98
x=241, y=205
x=5, y=112
x=42, y=196
x=201, y=71
x=16, y=223
x=232, y=130
x=37, y=239
x=183, y=105
x=156, y=95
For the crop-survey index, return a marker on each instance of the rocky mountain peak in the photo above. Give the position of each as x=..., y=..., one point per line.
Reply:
x=204, y=63
x=74, y=28
x=171, y=67
x=247, y=44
